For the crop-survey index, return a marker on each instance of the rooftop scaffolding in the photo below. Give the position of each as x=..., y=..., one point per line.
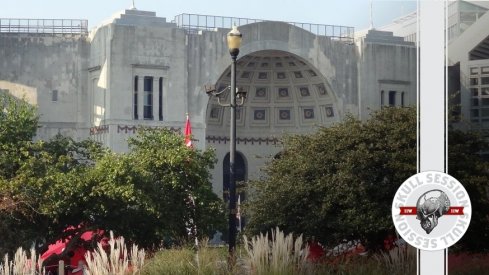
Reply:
x=194, y=23
x=44, y=26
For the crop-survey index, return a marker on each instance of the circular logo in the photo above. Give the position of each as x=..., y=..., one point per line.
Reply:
x=431, y=210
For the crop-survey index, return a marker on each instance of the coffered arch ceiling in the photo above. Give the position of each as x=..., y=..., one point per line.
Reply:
x=285, y=95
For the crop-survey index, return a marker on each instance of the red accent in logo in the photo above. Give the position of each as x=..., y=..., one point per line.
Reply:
x=408, y=210
x=453, y=211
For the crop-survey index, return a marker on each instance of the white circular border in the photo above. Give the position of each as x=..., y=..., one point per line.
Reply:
x=422, y=240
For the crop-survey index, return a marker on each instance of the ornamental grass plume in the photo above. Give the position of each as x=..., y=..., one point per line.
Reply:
x=206, y=260
x=399, y=260
x=116, y=261
x=21, y=264
x=280, y=255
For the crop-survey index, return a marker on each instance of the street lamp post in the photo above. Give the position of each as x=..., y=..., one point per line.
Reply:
x=234, y=42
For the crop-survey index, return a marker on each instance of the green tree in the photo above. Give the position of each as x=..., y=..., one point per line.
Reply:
x=466, y=164
x=338, y=183
x=145, y=192
x=47, y=186
x=33, y=195
x=141, y=195
x=18, y=125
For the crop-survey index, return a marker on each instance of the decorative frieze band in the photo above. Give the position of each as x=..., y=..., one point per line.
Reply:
x=252, y=140
x=99, y=130
x=126, y=129
x=132, y=129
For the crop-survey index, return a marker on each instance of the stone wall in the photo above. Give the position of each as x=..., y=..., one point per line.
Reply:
x=50, y=71
x=386, y=63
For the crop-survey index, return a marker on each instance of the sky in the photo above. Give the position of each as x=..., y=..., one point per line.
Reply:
x=354, y=13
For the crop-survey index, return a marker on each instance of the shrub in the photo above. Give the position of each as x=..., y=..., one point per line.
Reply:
x=206, y=260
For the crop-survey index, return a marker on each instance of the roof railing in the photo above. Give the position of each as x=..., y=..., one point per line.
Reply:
x=193, y=23
x=44, y=26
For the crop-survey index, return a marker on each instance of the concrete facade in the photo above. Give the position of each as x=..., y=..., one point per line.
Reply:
x=137, y=69
x=43, y=68
x=468, y=60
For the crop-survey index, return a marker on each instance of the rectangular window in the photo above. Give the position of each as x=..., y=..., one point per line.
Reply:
x=485, y=112
x=392, y=98
x=485, y=80
x=160, y=99
x=475, y=102
x=474, y=70
x=474, y=91
x=54, y=95
x=402, y=99
x=474, y=81
x=485, y=102
x=485, y=70
x=382, y=103
x=475, y=113
x=484, y=91
x=135, y=97
x=148, y=97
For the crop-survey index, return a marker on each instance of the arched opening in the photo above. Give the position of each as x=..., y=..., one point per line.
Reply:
x=240, y=178
x=286, y=94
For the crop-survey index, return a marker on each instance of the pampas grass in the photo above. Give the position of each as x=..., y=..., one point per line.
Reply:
x=280, y=255
x=399, y=260
x=21, y=264
x=116, y=261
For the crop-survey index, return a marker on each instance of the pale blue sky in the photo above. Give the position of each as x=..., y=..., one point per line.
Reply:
x=355, y=13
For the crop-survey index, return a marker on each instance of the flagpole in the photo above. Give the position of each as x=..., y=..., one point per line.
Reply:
x=193, y=225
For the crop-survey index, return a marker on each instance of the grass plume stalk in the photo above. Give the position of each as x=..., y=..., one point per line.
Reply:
x=22, y=264
x=116, y=261
x=400, y=260
x=280, y=255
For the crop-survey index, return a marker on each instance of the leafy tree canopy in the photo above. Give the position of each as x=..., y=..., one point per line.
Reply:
x=338, y=183
x=46, y=186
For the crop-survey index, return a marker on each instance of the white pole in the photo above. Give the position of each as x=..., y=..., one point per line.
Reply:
x=61, y=268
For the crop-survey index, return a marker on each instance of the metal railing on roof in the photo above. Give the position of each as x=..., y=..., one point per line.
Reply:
x=44, y=26
x=194, y=23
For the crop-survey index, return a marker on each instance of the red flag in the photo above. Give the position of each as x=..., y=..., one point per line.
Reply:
x=188, y=133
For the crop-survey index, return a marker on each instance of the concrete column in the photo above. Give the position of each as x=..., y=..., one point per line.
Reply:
x=398, y=98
